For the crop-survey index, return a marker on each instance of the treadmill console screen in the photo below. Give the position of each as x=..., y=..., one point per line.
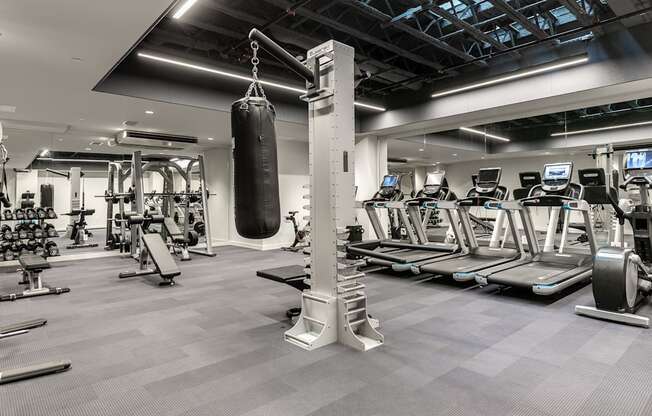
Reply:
x=389, y=181
x=489, y=175
x=558, y=172
x=488, y=180
x=434, y=179
x=641, y=159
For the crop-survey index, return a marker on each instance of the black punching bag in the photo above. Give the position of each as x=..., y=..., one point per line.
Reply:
x=257, y=207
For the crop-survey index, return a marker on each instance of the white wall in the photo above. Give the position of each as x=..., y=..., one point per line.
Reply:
x=93, y=183
x=293, y=175
x=459, y=177
x=370, y=167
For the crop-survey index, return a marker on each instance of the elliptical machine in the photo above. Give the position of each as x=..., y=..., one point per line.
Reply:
x=622, y=277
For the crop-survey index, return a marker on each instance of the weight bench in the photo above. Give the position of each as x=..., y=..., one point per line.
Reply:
x=16, y=374
x=163, y=261
x=179, y=241
x=32, y=266
x=294, y=276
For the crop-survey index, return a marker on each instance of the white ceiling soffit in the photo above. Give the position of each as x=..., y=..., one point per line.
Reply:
x=54, y=54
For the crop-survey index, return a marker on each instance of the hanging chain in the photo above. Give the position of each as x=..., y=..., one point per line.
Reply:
x=255, y=87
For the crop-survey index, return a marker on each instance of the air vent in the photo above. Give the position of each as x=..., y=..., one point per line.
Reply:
x=132, y=138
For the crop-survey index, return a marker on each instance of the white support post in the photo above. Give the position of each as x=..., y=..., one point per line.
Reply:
x=334, y=309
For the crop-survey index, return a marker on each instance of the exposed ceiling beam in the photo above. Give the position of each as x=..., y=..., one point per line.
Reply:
x=340, y=27
x=470, y=29
x=307, y=42
x=519, y=17
x=578, y=11
x=404, y=27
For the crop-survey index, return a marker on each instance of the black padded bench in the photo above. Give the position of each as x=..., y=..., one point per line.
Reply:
x=164, y=263
x=32, y=266
x=174, y=231
x=294, y=276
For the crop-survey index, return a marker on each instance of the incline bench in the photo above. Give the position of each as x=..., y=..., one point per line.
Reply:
x=179, y=241
x=33, y=266
x=155, y=247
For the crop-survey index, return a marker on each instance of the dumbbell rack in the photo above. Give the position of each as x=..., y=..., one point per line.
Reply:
x=39, y=221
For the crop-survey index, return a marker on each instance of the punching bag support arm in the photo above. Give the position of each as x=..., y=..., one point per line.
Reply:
x=283, y=56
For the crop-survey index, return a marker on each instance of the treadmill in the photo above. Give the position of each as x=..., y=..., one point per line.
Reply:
x=398, y=254
x=548, y=271
x=473, y=257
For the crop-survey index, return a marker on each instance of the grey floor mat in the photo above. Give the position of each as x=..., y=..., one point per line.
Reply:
x=213, y=345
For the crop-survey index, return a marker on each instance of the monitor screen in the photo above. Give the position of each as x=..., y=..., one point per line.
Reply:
x=389, y=181
x=558, y=172
x=641, y=159
x=488, y=175
x=434, y=179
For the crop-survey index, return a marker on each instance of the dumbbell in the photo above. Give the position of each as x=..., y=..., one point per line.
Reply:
x=51, y=249
x=193, y=238
x=50, y=213
x=8, y=215
x=50, y=231
x=19, y=214
x=36, y=230
x=21, y=229
x=6, y=232
x=39, y=250
x=30, y=213
x=200, y=228
x=31, y=245
x=41, y=214
x=191, y=218
x=26, y=203
x=177, y=199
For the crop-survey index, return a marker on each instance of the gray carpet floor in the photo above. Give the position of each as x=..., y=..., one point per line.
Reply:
x=212, y=345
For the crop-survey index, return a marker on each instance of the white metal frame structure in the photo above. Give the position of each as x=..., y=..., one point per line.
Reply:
x=334, y=309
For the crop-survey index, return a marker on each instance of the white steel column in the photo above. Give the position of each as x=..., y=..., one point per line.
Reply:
x=334, y=309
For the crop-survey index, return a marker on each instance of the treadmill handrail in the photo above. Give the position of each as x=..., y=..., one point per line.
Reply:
x=561, y=198
x=475, y=200
x=504, y=205
x=452, y=205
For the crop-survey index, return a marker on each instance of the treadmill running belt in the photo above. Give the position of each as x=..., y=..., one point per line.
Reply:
x=466, y=264
x=537, y=273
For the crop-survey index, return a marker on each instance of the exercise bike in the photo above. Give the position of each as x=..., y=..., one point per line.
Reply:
x=622, y=277
x=301, y=236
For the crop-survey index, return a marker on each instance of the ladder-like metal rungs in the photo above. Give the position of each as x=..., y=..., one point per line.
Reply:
x=358, y=322
x=354, y=299
x=306, y=186
x=355, y=311
x=313, y=320
x=307, y=196
x=347, y=278
x=341, y=289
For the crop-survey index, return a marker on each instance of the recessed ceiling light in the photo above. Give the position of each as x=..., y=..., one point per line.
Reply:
x=150, y=112
x=88, y=148
x=482, y=133
x=60, y=139
x=240, y=77
x=482, y=157
x=170, y=144
x=454, y=154
x=183, y=9
x=512, y=77
x=8, y=108
x=421, y=150
x=546, y=153
x=211, y=139
x=82, y=119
